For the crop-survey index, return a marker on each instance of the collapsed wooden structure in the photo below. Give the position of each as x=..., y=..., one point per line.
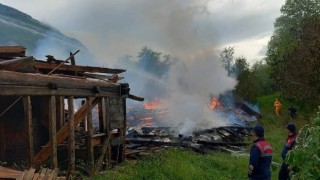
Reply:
x=38, y=120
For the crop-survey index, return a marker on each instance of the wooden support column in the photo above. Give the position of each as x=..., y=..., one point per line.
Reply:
x=53, y=131
x=90, y=137
x=71, y=136
x=125, y=127
x=122, y=155
x=106, y=142
x=108, y=130
x=60, y=111
x=102, y=115
x=3, y=143
x=29, y=125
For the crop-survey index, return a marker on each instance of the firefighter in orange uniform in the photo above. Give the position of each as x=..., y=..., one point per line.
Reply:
x=277, y=105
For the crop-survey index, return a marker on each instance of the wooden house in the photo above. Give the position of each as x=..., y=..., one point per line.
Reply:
x=39, y=123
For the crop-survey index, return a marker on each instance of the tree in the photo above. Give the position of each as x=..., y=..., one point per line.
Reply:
x=150, y=61
x=227, y=59
x=261, y=74
x=303, y=65
x=246, y=87
x=286, y=42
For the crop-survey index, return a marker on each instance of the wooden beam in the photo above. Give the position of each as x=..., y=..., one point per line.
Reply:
x=100, y=76
x=6, y=90
x=55, y=81
x=43, y=65
x=53, y=131
x=23, y=64
x=60, y=111
x=62, y=134
x=71, y=136
x=12, y=51
x=29, y=125
x=90, y=137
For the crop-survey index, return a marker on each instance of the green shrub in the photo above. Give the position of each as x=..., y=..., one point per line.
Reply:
x=305, y=157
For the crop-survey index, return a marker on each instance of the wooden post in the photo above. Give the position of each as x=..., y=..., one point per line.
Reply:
x=29, y=125
x=60, y=111
x=124, y=105
x=102, y=115
x=90, y=137
x=71, y=136
x=53, y=131
x=3, y=143
x=103, y=128
x=108, y=130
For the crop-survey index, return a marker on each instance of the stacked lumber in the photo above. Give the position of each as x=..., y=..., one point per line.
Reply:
x=45, y=174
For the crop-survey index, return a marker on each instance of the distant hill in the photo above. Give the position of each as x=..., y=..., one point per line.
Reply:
x=18, y=28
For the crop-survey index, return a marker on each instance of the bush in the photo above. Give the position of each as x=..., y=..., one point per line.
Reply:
x=305, y=157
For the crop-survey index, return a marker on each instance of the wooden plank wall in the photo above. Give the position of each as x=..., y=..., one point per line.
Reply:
x=112, y=124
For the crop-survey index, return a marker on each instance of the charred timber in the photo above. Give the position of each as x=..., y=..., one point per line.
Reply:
x=148, y=142
x=211, y=143
x=137, y=98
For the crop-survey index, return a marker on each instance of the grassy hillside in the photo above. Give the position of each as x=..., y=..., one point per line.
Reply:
x=178, y=164
x=18, y=28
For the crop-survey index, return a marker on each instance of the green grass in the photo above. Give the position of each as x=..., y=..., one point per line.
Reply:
x=180, y=164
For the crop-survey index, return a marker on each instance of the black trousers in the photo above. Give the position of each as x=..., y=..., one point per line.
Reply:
x=284, y=173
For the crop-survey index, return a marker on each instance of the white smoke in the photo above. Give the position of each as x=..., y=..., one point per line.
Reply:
x=189, y=86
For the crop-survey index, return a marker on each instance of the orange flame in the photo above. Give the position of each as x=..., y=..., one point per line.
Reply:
x=215, y=104
x=147, y=119
x=152, y=105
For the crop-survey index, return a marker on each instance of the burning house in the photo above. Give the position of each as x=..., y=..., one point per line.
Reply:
x=38, y=120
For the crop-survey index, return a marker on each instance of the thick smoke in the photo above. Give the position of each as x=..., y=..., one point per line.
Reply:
x=189, y=86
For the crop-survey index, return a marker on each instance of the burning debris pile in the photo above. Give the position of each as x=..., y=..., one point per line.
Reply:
x=149, y=114
x=147, y=135
x=227, y=138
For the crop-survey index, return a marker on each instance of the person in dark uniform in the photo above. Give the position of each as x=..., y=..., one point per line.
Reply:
x=290, y=142
x=260, y=156
x=293, y=112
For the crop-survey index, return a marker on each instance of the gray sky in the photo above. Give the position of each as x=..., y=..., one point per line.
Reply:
x=112, y=29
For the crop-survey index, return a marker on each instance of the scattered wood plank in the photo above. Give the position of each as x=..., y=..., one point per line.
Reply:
x=29, y=174
x=211, y=143
x=7, y=173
